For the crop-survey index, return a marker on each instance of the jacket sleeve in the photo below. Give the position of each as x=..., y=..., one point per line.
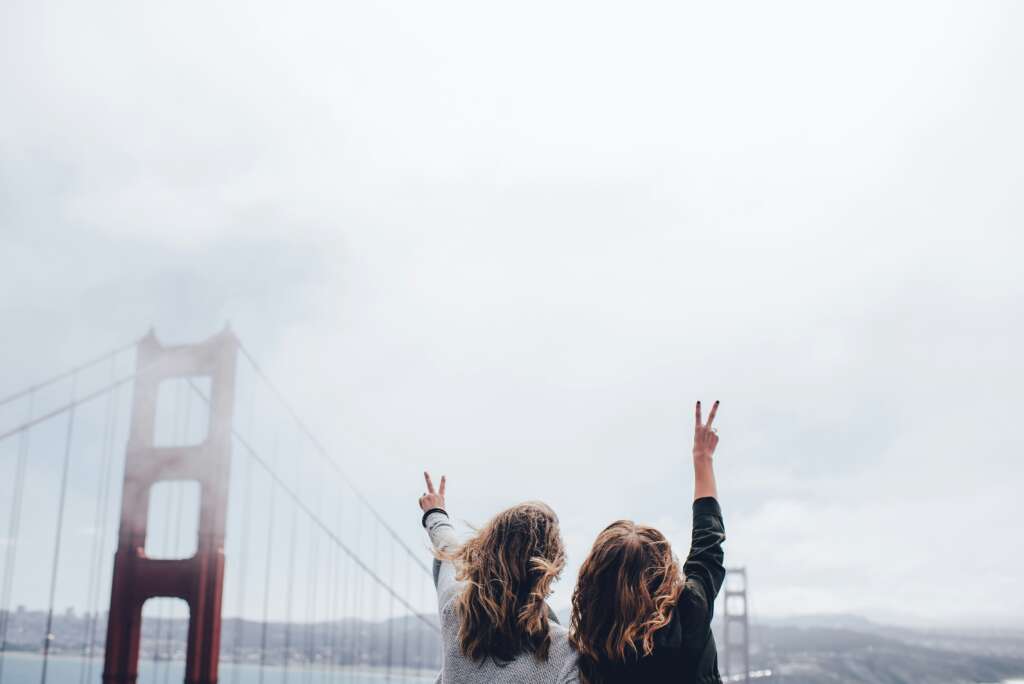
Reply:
x=704, y=567
x=442, y=537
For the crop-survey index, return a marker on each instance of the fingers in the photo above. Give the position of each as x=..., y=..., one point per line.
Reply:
x=430, y=483
x=698, y=414
x=711, y=416
x=441, y=490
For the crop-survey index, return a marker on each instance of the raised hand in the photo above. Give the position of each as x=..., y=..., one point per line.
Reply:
x=705, y=437
x=430, y=498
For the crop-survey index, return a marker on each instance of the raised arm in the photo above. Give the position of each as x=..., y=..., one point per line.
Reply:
x=704, y=568
x=442, y=537
x=705, y=439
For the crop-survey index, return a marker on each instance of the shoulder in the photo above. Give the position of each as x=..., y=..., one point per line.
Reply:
x=561, y=655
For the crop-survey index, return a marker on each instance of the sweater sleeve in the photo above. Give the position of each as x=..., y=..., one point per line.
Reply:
x=442, y=537
x=704, y=567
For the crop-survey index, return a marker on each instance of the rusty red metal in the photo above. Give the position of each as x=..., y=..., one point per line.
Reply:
x=198, y=580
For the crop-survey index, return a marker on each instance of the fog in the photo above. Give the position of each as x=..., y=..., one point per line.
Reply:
x=513, y=244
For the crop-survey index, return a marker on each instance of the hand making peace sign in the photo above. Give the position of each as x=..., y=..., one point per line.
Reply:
x=431, y=499
x=705, y=437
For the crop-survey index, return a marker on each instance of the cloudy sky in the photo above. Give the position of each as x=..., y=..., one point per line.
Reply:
x=514, y=243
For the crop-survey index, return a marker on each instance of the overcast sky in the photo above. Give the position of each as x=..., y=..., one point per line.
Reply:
x=514, y=242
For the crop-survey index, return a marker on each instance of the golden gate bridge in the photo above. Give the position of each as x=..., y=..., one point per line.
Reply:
x=228, y=504
x=211, y=441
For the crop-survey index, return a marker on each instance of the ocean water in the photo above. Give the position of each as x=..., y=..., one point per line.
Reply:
x=21, y=668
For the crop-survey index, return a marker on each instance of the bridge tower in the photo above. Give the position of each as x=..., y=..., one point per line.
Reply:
x=198, y=580
x=736, y=626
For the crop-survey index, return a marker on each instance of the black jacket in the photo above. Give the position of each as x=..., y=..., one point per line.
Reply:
x=684, y=650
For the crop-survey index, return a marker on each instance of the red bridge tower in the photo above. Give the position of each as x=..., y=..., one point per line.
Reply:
x=198, y=580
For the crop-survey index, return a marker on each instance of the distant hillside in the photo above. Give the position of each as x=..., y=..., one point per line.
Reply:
x=816, y=650
x=819, y=651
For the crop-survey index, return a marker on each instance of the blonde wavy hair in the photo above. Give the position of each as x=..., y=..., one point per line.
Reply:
x=626, y=591
x=508, y=567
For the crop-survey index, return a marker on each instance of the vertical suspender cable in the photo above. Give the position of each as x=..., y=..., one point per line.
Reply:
x=390, y=620
x=14, y=530
x=327, y=631
x=243, y=561
x=104, y=529
x=332, y=615
x=340, y=592
x=357, y=595
x=406, y=624
x=97, y=547
x=266, y=570
x=48, y=637
x=288, y=592
x=419, y=632
x=376, y=593
x=311, y=590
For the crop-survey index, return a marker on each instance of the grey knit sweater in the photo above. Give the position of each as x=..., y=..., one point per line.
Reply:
x=456, y=668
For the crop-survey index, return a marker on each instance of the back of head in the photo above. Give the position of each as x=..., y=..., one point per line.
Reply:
x=626, y=591
x=509, y=567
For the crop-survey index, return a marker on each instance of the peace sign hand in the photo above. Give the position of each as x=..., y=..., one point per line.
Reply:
x=705, y=437
x=430, y=498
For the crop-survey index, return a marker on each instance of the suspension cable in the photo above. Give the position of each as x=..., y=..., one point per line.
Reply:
x=322, y=450
x=391, y=617
x=104, y=528
x=327, y=530
x=340, y=592
x=14, y=531
x=244, y=561
x=317, y=521
x=66, y=374
x=70, y=406
x=288, y=596
x=333, y=585
x=267, y=571
x=97, y=548
x=243, y=565
x=405, y=630
x=311, y=590
x=47, y=637
x=358, y=595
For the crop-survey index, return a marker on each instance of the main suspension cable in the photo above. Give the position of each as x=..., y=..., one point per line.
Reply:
x=66, y=374
x=297, y=500
x=322, y=450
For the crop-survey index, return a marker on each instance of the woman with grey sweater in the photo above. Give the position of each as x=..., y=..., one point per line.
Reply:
x=491, y=591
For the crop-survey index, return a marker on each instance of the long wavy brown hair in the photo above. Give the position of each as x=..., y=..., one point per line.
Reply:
x=626, y=591
x=509, y=567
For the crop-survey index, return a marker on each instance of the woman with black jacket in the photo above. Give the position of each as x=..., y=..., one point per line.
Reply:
x=636, y=615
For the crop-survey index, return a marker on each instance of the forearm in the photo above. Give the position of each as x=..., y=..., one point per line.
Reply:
x=704, y=478
x=440, y=530
x=443, y=539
